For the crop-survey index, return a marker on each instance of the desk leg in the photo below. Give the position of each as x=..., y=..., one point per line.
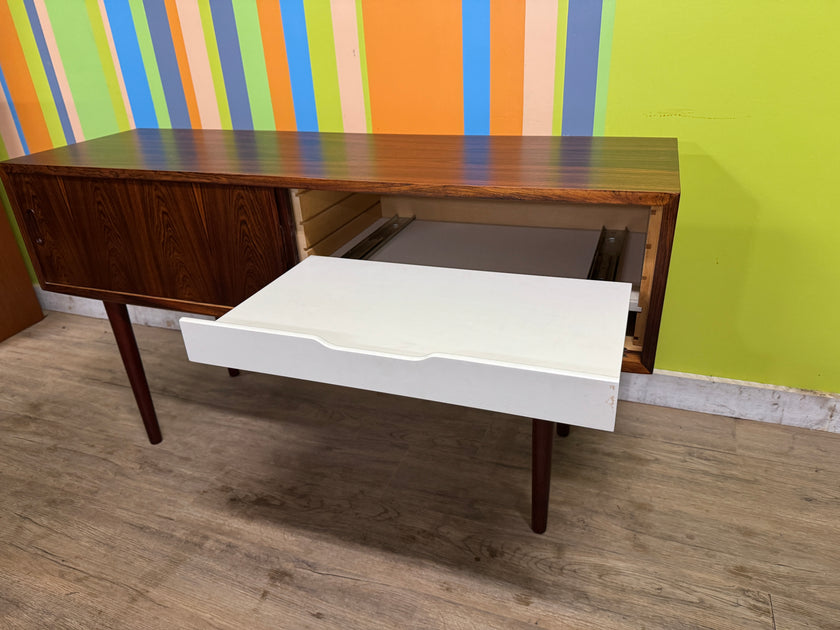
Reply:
x=121, y=325
x=563, y=429
x=542, y=439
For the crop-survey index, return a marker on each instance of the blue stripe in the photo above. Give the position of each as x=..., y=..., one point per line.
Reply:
x=46, y=61
x=131, y=63
x=300, y=72
x=475, y=20
x=582, y=41
x=167, y=62
x=13, y=112
x=224, y=23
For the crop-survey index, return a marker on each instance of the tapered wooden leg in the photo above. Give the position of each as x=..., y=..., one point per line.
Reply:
x=121, y=325
x=563, y=429
x=542, y=439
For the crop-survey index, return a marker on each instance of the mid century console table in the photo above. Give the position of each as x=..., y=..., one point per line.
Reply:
x=200, y=221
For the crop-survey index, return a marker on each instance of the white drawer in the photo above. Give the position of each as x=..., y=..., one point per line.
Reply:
x=536, y=346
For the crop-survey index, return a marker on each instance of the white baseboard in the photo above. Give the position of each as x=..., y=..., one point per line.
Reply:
x=708, y=394
x=738, y=399
x=142, y=315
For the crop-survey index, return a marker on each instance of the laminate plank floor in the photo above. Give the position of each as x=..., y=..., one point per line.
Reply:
x=275, y=503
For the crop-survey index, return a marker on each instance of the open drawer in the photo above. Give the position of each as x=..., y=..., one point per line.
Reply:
x=535, y=346
x=561, y=239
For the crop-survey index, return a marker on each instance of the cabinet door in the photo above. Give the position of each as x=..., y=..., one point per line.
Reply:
x=193, y=243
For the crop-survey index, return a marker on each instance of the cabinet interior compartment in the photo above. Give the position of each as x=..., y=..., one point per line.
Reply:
x=535, y=238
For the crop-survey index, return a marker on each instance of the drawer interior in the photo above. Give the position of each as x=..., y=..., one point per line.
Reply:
x=534, y=238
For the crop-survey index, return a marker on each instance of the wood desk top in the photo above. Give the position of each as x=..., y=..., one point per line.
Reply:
x=577, y=169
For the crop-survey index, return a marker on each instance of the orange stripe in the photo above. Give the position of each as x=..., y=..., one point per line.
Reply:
x=22, y=90
x=507, y=66
x=276, y=64
x=183, y=64
x=415, y=70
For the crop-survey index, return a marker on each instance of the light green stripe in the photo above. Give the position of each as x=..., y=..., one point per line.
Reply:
x=4, y=200
x=147, y=52
x=253, y=62
x=4, y=154
x=83, y=67
x=36, y=71
x=319, y=32
x=215, y=64
x=360, y=21
x=604, y=56
x=107, y=61
x=560, y=66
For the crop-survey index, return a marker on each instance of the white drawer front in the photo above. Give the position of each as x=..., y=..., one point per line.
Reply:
x=547, y=348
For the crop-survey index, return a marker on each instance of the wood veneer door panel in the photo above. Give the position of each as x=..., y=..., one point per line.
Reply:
x=200, y=243
x=173, y=227
x=54, y=234
x=118, y=253
x=246, y=234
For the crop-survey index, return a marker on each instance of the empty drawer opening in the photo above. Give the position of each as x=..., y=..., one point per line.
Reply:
x=532, y=238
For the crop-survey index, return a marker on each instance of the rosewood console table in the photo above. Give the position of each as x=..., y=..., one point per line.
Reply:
x=198, y=221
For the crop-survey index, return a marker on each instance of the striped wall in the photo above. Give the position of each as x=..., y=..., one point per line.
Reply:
x=77, y=69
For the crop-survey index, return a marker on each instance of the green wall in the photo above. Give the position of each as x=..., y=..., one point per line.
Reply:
x=752, y=91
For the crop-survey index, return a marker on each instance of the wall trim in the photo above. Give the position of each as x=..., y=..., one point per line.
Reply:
x=708, y=394
x=738, y=399
x=143, y=315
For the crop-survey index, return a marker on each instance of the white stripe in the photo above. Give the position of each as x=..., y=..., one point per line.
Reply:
x=348, y=61
x=123, y=92
x=202, y=77
x=58, y=66
x=540, y=54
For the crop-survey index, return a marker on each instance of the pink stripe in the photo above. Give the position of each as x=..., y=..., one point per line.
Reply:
x=540, y=54
x=115, y=59
x=8, y=131
x=194, y=42
x=346, y=36
x=60, y=75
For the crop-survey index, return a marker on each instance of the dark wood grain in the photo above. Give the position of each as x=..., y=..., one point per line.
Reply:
x=184, y=242
x=660, y=279
x=595, y=170
x=542, y=441
x=127, y=344
x=19, y=307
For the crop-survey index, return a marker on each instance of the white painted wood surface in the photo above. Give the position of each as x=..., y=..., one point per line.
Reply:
x=541, y=347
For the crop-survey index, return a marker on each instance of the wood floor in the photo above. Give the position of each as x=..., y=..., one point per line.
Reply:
x=274, y=503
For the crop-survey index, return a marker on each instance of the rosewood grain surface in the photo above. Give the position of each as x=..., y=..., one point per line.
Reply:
x=276, y=503
x=182, y=242
x=667, y=228
x=597, y=170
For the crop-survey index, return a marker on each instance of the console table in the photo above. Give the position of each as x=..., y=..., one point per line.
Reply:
x=198, y=221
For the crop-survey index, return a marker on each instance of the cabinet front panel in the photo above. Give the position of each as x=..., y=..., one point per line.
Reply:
x=199, y=243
